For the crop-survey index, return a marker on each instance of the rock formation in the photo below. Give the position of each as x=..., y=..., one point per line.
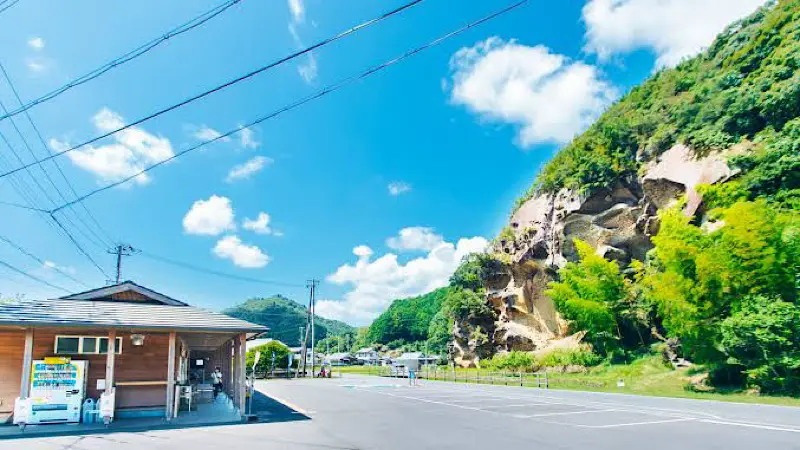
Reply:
x=618, y=221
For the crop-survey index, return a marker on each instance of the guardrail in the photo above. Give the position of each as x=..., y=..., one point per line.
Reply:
x=507, y=378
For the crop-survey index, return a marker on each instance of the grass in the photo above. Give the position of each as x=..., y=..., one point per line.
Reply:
x=645, y=376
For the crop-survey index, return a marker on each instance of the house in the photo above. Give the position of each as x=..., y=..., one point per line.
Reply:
x=340, y=359
x=415, y=360
x=367, y=355
x=125, y=344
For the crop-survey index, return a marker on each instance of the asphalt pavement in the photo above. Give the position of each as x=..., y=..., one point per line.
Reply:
x=360, y=412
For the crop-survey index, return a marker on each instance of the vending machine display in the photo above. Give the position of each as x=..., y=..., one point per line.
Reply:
x=58, y=386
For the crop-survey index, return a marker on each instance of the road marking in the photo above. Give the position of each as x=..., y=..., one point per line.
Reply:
x=567, y=413
x=633, y=424
x=752, y=425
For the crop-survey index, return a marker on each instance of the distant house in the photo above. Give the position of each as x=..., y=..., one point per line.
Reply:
x=367, y=355
x=415, y=360
x=340, y=359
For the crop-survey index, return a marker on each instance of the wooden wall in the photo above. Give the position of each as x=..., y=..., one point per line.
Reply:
x=145, y=363
x=11, y=347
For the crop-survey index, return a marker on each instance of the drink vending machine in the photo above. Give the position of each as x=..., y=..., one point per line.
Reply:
x=58, y=386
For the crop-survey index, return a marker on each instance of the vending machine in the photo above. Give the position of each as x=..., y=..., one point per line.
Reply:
x=58, y=386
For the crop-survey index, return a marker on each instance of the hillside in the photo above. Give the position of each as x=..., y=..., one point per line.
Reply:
x=284, y=317
x=406, y=320
x=673, y=222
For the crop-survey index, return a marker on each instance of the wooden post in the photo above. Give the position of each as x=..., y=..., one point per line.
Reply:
x=111, y=355
x=170, y=377
x=242, y=380
x=27, y=365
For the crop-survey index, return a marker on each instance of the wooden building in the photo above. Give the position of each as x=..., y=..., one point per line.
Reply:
x=139, y=345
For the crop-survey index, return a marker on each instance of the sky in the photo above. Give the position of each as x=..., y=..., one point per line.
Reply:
x=377, y=190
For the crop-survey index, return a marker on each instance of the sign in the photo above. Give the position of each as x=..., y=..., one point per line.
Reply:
x=57, y=360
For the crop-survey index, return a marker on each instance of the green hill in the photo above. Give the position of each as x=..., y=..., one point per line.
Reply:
x=284, y=318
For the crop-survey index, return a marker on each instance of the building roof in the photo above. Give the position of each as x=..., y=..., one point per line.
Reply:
x=110, y=292
x=412, y=355
x=119, y=315
x=367, y=350
x=342, y=355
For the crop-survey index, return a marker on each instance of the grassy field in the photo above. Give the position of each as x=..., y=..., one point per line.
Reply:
x=645, y=376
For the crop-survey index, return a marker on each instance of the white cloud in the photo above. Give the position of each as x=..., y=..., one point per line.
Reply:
x=242, y=255
x=210, y=217
x=38, y=65
x=375, y=283
x=247, y=169
x=247, y=138
x=673, y=29
x=549, y=96
x=415, y=238
x=206, y=133
x=298, y=10
x=50, y=265
x=133, y=150
x=260, y=225
x=398, y=187
x=308, y=71
x=36, y=43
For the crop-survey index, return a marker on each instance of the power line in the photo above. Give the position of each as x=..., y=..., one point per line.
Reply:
x=321, y=93
x=58, y=167
x=40, y=261
x=32, y=277
x=217, y=273
x=133, y=54
x=224, y=85
x=78, y=246
x=8, y=3
x=44, y=171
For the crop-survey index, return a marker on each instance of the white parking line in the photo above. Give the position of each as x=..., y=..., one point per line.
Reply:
x=633, y=424
x=752, y=425
x=567, y=413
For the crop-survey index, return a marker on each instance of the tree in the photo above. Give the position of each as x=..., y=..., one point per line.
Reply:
x=590, y=293
x=763, y=336
x=265, y=363
x=697, y=278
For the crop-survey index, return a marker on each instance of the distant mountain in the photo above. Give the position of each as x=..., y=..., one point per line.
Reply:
x=284, y=318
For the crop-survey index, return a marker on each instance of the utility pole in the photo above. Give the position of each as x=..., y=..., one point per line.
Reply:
x=121, y=250
x=312, y=285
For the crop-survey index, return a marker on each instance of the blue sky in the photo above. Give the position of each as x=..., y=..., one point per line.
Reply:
x=377, y=190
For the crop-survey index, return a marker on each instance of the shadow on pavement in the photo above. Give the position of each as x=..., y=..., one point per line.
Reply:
x=264, y=410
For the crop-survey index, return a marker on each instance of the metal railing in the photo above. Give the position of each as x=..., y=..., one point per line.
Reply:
x=477, y=376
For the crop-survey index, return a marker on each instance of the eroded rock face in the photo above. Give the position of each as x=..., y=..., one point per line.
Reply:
x=618, y=221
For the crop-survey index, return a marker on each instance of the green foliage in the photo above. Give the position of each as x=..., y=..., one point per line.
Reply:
x=474, y=271
x=265, y=363
x=589, y=294
x=407, y=319
x=697, y=278
x=746, y=84
x=440, y=331
x=465, y=304
x=763, y=336
x=570, y=357
x=284, y=318
x=516, y=361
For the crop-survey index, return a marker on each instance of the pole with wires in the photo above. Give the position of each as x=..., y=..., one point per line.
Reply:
x=121, y=250
x=312, y=285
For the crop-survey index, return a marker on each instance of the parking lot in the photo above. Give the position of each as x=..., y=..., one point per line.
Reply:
x=367, y=412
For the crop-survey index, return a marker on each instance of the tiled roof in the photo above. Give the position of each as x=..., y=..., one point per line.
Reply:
x=105, y=314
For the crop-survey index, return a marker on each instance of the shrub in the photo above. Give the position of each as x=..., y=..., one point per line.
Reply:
x=582, y=356
x=511, y=361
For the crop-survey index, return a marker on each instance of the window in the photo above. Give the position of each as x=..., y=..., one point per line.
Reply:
x=85, y=345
